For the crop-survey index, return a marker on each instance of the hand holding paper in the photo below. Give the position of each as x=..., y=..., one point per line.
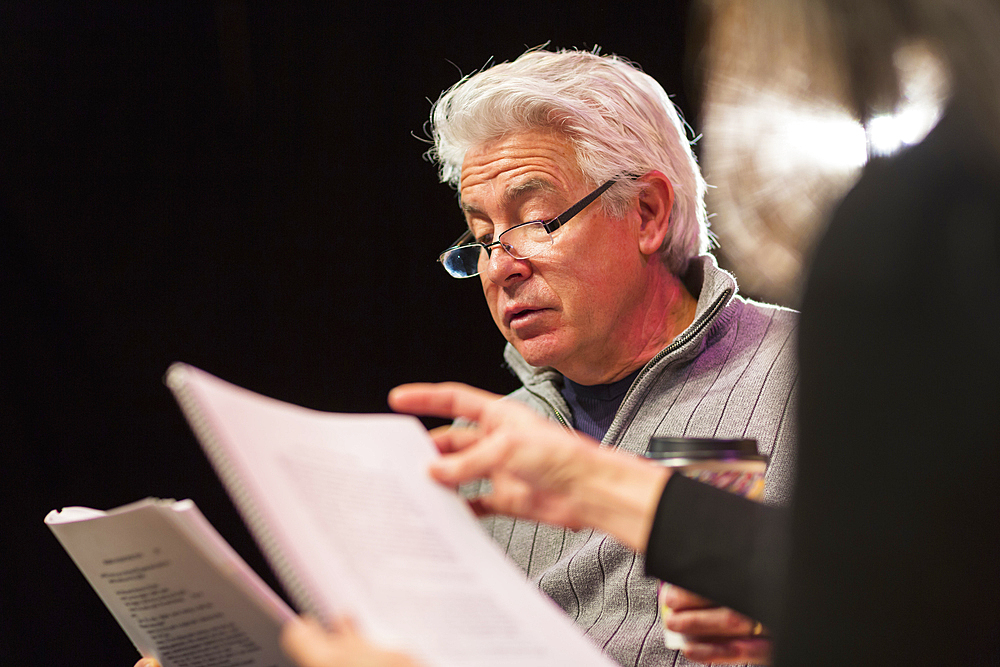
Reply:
x=351, y=522
x=538, y=470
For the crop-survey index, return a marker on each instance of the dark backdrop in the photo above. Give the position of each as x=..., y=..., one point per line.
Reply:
x=238, y=185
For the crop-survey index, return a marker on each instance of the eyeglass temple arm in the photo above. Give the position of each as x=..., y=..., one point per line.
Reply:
x=558, y=222
x=555, y=223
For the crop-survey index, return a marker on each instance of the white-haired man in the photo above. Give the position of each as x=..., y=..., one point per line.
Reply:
x=586, y=227
x=587, y=230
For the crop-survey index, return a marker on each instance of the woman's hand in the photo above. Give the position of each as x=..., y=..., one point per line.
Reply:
x=537, y=469
x=714, y=634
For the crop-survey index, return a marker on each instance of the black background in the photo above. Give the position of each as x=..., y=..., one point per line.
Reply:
x=238, y=185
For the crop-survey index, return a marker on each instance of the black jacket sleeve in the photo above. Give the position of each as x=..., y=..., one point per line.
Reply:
x=720, y=546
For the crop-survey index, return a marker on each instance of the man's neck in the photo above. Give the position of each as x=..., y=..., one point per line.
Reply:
x=670, y=309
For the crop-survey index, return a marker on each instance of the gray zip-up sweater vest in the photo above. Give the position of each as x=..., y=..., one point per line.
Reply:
x=732, y=373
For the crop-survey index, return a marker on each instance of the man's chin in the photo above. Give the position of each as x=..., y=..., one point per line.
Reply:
x=538, y=352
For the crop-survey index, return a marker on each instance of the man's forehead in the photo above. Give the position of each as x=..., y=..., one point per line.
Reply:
x=519, y=165
x=516, y=190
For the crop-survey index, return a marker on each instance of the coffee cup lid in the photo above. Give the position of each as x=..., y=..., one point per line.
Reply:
x=662, y=447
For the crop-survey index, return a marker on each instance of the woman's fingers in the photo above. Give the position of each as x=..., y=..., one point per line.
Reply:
x=446, y=399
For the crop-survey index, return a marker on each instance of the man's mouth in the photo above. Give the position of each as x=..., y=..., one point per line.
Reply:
x=522, y=316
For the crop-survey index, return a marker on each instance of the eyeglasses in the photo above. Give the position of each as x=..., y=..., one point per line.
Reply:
x=521, y=241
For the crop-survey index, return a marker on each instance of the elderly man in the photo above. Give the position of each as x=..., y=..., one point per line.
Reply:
x=587, y=230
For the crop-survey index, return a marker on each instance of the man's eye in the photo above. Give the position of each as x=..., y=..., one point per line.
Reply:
x=485, y=239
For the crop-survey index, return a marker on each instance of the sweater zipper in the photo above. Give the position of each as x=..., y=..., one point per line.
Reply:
x=559, y=417
x=699, y=326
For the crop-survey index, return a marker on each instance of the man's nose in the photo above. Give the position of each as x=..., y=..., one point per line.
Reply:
x=503, y=269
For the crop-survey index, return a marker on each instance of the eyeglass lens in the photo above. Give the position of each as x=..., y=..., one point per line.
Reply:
x=520, y=241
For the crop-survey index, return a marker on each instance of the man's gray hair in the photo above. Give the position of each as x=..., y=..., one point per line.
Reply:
x=618, y=119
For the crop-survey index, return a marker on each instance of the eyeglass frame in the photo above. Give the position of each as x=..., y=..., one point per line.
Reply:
x=549, y=227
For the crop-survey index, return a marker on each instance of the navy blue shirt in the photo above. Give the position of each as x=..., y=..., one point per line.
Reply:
x=594, y=406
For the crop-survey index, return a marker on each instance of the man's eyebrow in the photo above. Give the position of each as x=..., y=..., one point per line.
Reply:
x=530, y=186
x=513, y=193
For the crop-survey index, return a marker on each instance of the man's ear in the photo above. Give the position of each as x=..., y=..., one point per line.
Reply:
x=656, y=201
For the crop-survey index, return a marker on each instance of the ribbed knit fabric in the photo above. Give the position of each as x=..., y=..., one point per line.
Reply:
x=732, y=373
x=594, y=406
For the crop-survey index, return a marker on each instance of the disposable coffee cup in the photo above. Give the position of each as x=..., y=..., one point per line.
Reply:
x=732, y=465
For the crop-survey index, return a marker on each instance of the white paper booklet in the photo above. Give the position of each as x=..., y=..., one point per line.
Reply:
x=348, y=517
x=175, y=586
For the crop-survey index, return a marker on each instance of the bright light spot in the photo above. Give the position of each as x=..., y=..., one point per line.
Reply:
x=828, y=138
x=888, y=133
x=787, y=135
x=925, y=89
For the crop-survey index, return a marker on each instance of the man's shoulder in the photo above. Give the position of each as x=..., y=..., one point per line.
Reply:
x=758, y=337
x=777, y=319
